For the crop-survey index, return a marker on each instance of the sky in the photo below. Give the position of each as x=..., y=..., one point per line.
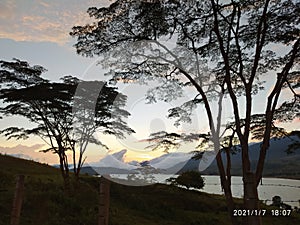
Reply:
x=38, y=32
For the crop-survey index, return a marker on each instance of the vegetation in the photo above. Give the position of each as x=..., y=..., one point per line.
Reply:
x=223, y=49
x=188, y=179
x=45, y=202
x=65, y=114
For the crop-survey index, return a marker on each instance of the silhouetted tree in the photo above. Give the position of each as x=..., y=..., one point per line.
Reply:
x=62, y=119
x=223, y=48
x=96, y=107
x=189, y=179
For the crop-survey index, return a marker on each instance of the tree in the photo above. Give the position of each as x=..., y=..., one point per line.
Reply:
x=62, y=119
x=223, y=49
x=95, y=107
x=189, y=179
x=276, y=201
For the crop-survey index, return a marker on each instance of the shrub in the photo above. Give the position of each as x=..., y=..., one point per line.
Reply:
x=189, y=179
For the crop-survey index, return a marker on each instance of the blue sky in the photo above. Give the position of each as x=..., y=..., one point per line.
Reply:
x=38, y=32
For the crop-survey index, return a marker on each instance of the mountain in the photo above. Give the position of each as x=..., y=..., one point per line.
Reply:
x=115, y=160
x=114, y=164
x=134, y=163
x=277, y=162
x=168, y=160
x=110, y=164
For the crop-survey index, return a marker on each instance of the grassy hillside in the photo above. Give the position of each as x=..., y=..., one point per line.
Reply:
x=45, y=202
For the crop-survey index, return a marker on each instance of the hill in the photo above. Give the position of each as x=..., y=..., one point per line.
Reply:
x=278, y=162
x=46, y=203
x=15, y=165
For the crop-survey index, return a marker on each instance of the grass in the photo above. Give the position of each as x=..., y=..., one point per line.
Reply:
x=46, y=203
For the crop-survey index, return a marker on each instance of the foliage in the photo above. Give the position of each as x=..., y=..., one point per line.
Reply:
x=204, y=31
x=189, y=179
x=65, y=114
x=222, y=49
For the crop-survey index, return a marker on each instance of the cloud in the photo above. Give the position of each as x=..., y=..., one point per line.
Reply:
x=20, y=148
x=24, y=151
x=29, y=152
x=43, y=21
x=44, y=4
x=6, y=9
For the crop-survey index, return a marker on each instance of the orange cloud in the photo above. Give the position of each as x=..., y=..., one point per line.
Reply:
x=41, y=21
x=6, y=9
x=20, y=148
x=29, y=152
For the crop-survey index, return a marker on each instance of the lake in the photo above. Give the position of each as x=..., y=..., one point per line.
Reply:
x=287, y=189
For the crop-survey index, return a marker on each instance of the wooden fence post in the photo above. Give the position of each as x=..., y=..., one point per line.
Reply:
x=18, y=199
x=104, y=201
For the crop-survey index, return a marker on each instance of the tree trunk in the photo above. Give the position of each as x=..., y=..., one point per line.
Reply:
x=230, y=203
x=251, y=201
x=226, y=185
x=65, y=173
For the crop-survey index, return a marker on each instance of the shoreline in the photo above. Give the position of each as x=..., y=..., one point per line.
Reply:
x=290, y=177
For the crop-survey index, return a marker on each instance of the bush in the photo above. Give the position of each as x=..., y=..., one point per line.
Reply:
x=189, y=179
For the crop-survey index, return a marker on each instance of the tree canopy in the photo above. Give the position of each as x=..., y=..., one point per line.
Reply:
x=223, y=49
x=64, y=114
x=228, y=46
x=189, y=179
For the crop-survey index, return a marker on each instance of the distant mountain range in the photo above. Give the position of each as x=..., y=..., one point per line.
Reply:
x=278, y=162
x=114, y=164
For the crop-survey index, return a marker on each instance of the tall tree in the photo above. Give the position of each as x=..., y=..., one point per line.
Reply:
x=64, y=120
x=96, y=107
x=223, y=49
